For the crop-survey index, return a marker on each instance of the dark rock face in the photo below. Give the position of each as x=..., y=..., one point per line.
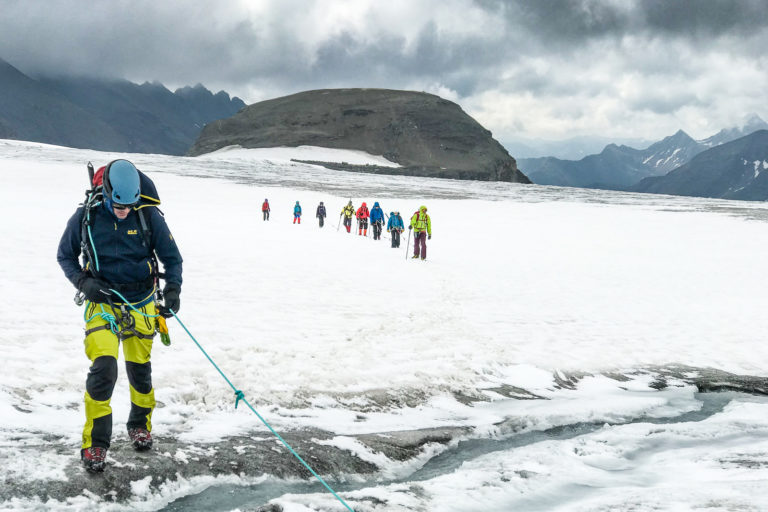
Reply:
x=426, y=134
x=108, y=115
x=736, y=170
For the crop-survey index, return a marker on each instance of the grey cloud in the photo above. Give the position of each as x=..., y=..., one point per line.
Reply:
x=550, y=50
x=705, y=18
x=665, y=102
x=564, y=21
x=460, y=64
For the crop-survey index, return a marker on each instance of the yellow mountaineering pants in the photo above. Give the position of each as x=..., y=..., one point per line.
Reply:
x=101, y=347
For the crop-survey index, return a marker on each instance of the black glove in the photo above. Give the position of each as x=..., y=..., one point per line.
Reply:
x=410, y=228
x=95, y=290
x=429, y=237
x=172, y=302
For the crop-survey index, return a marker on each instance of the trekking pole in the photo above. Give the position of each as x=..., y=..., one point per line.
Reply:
x=408, y=244
x=340, y=216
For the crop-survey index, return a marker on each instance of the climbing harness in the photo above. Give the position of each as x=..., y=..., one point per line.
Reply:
x=122, y=323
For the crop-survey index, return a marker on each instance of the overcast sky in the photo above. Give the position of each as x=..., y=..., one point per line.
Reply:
x=540, y=68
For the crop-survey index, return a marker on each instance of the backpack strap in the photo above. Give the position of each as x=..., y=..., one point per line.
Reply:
x=146, y=234
x=146, y=230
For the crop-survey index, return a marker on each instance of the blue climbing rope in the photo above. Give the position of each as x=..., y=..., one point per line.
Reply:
x=90, y=236
x=239, y=395
x=107, y=317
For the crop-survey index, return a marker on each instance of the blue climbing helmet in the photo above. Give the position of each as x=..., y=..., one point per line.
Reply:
x=122, y=182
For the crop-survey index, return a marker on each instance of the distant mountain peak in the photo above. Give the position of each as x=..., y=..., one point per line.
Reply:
x=751, y=124
x=754, y=120
x=196, y=90
x=731, y=171
x=678, y=137
x=80, y=111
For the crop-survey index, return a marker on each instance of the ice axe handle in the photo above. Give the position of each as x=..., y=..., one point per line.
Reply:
x=162, y=328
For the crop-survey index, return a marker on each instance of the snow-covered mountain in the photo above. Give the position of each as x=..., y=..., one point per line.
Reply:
x=618, y=167
x=735, y=170
x=670, y=153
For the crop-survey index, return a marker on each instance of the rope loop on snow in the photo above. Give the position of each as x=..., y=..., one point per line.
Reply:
x=240, y=396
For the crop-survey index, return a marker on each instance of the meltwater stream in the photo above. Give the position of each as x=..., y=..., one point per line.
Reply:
x=229, y=497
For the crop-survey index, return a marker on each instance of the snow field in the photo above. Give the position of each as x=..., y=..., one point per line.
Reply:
x=326, y=329
x=294, y=313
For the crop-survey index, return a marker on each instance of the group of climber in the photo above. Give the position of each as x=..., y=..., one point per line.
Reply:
x=321, y=213
x=122, y=237
x=420, y=223
x=376, y=218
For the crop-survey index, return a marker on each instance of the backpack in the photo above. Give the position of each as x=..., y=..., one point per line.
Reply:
x=94, y=197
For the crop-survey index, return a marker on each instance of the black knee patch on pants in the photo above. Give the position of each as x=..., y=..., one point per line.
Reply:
x=139, y=376
x=101, y=378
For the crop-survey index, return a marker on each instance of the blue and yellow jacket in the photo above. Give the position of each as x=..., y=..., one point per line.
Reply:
x=395, y=222
x=120, y=248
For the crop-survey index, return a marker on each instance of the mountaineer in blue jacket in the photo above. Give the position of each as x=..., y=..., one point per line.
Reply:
x=377, y=220
x=297, y=213
x=395, y=227
x=119, y=255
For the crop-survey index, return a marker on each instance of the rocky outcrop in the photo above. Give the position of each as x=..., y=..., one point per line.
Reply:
x=427, y=135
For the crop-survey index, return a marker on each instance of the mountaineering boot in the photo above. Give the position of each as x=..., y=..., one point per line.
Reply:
x=141, y=439
x=365, y=232
x=414, y=256
x=94, y=459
